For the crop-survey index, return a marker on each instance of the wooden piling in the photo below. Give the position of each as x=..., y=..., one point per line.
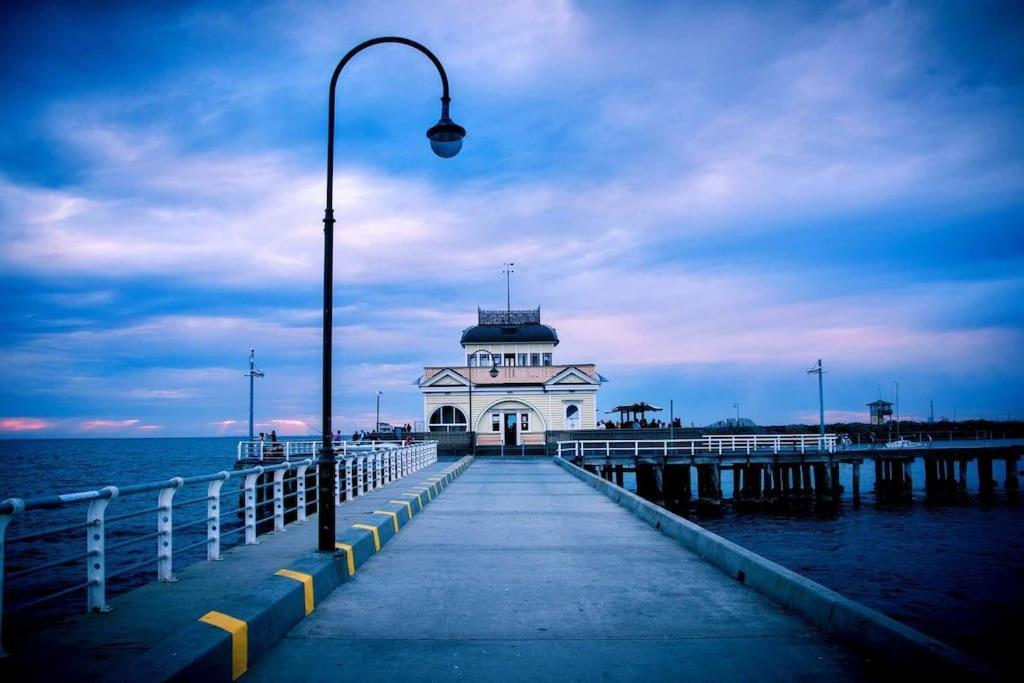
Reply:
x=1012, y=481
x=856, y=484
x=620, y=475
x=988, y=484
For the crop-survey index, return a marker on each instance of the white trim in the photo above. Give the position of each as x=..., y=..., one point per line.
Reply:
x=574, y=372
x=486, y=411
x=447, y=372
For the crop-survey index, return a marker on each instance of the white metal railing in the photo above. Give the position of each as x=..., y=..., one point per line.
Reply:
x=299, y=449
x=358, y=470
x=721, y=444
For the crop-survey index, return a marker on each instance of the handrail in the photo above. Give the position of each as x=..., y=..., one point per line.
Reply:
x=288, y=450
x=362, y=468
x=720, y=444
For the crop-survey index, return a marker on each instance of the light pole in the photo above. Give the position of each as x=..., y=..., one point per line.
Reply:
x=470, y=426
x=736, y=405
x=376, y=425
x=253, y=373
x=816, y=370
x=446, y=141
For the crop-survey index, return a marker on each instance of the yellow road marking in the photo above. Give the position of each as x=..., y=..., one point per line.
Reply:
x=376, y=534
x=407, y=504
x=338, y=545
x=307, y=585
x=393, y=515
x=427, y=489
x=419, y=501
x=239, y=631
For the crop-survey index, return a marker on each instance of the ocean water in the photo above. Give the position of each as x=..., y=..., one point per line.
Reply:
x=953, y=570
x=37, y=467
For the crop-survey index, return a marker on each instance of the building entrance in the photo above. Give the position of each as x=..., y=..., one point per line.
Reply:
x=511, y=431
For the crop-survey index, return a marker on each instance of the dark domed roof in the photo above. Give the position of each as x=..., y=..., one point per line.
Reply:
x=509, y=334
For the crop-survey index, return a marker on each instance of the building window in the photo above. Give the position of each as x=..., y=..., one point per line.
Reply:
x=495, y=422
x=485, y=359
x=510, y=359
x=547, y=359
x=448, y=419
x=572, y=416
x=522, y=359
x=471, y=360
x=524, y=421
x=534, y=359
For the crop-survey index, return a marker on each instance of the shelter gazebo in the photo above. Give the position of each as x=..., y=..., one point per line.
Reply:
x=634, y=410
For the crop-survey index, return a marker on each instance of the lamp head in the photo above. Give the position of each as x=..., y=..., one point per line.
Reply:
x=494, y=370
x=446, y=137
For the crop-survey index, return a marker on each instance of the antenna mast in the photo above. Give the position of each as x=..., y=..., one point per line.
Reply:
x=509, y=269
x=253, y=373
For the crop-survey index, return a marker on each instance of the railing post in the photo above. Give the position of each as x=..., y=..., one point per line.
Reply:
x=249, y=492
x=349, y=482
x=96, y=561
x=361, y=475
x=378, y=459
x=19, y=507
x=165, y=529
x=213, y=516
x=300, y=491
x=337, y=478
x=278, y=489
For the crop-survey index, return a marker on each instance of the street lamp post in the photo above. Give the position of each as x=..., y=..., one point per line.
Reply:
x=471, y=424
x=376, y=425
x=817, y=370
x=446, y=141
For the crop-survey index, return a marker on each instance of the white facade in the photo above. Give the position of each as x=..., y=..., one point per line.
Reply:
x=510, y=392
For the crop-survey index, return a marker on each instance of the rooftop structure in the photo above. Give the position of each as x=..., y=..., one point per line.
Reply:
x=880, y=411
x=509, y=327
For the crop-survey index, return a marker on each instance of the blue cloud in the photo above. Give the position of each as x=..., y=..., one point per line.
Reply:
x=703, y=199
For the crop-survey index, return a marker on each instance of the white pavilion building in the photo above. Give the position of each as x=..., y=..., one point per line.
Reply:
x=509, y=386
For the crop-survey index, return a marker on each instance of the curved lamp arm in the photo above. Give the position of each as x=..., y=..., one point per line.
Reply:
x=445, y=100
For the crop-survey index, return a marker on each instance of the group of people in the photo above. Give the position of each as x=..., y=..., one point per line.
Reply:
x=642, y=423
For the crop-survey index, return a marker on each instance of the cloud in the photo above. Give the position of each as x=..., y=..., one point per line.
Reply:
x=24, y=424
x=107, y=425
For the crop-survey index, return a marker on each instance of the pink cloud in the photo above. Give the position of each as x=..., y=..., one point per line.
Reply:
x=23, y=424
x=90, y=425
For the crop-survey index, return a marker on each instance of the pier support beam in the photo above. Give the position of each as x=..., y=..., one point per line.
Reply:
x=856, y=484
x=1012, y=480
x=677, y=486
x=620, y=476
x=985, y=478
x=709, y=488
x=961, y=484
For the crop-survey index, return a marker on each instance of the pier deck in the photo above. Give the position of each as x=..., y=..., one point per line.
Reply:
x=106, y=646
x=522, y=572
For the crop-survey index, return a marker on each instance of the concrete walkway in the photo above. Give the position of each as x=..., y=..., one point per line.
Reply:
x=522, y=572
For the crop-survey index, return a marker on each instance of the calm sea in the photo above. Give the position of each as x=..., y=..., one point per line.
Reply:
x=952, y=571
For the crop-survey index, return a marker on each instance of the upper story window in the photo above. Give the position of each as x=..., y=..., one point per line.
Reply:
x=471, y=360
x=522, y=359
x=547, y=359
x=534, y=359
x=485, y=359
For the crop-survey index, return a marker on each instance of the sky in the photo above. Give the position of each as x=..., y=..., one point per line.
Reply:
x=702, y=197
